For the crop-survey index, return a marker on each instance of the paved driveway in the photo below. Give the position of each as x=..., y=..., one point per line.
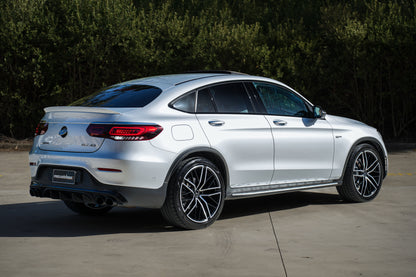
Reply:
x=309, y=233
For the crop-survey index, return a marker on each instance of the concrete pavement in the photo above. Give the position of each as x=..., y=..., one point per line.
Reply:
x=310, y=233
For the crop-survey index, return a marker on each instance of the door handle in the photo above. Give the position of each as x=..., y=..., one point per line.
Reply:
x=216, y=122
x=279, y=122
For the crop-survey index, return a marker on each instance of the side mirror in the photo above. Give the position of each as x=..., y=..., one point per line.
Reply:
x=318, y=112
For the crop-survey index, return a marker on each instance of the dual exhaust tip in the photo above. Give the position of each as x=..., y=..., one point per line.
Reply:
x=107, y=201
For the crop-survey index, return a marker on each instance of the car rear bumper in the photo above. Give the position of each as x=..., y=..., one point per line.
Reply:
x=88, y=189
x=138, y=165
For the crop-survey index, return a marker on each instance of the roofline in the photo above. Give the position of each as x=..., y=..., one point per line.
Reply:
x=194, y=79
x=219, y=71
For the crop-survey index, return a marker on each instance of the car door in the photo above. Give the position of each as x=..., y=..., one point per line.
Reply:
x=228, y=118
x=303, y=145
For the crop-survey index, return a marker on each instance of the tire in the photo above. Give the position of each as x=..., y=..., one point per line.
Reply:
x=195, y=195
x=363, y=176
x=87, y=209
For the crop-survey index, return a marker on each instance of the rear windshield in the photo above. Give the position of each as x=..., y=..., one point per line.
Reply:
x=121, y=96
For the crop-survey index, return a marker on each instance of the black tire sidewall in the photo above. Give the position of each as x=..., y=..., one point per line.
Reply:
x=179, y=218
x=348, y=183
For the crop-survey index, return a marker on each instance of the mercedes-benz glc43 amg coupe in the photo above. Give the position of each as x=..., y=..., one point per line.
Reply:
x=185, y=143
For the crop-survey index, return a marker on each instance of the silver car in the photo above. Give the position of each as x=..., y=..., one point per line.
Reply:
x=185, y=143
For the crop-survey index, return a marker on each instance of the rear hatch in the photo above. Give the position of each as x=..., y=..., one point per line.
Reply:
x=67, y=128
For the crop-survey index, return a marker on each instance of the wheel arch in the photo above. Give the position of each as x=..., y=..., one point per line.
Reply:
x=211, y=154
x=373, y=142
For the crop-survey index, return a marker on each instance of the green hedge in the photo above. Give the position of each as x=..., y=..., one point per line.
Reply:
x=356, y=59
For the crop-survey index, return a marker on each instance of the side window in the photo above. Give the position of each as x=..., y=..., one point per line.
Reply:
x=186, y=103
x=280, y=101
x=231, y=98
x=204, y=102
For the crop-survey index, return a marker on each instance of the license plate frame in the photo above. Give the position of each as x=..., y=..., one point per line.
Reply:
x=64, y=176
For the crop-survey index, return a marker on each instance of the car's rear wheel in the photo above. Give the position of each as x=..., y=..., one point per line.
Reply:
x=195, y=195
x=87, y=209
x=363, y=176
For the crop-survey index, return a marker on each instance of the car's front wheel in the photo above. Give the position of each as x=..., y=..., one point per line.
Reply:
x=195, y=195
x=363, y=176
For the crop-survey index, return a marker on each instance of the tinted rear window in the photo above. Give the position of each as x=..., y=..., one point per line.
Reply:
x=231, y=98
x=205, y=104
x=121, y=96
x=185, y=103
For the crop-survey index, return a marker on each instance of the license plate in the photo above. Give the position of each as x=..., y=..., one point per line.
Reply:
x=64, y=176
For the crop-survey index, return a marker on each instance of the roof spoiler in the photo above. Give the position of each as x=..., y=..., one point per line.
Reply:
x=79, y=109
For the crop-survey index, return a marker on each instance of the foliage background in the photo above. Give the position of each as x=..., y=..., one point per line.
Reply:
x=354, y=58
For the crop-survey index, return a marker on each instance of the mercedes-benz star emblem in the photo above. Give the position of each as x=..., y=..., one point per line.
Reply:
x=63, y=132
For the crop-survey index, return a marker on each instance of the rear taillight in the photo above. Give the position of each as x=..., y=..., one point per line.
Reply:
x=41, y=128
x=124, y=132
